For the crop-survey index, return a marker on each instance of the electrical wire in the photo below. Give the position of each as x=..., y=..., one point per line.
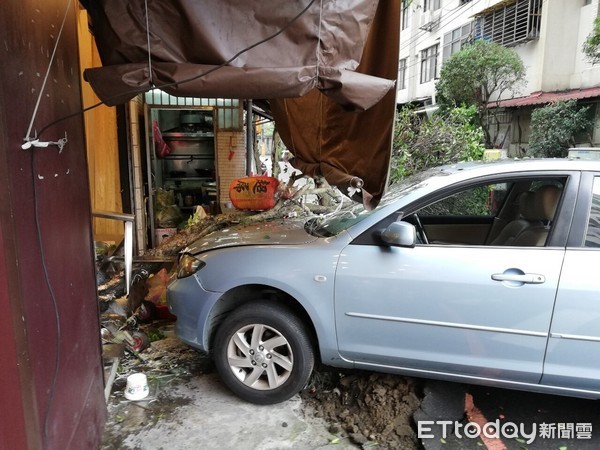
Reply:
x=446, y=18
x=37, y=103
x=188, y=80
x=53, y=299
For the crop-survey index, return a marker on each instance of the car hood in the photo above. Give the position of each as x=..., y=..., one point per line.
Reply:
x=275, y=232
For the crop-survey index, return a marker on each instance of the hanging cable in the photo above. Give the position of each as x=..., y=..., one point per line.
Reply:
x=318, y=49
x=148, y=43
x=52, y=298
x=29, y=142
x=28, y=137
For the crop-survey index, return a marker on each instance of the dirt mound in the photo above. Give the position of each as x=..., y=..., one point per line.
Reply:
x=372, y=409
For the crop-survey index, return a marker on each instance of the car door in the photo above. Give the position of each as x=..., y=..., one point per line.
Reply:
x=574, y=345
x=471, y=310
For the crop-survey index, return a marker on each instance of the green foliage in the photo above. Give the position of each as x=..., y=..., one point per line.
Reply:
x=480, y=70
x=591, y=47
x=554, y=126
x=475, y=74
x=420, y=143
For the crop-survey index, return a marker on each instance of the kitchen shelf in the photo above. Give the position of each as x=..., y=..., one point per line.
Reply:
x=189, y=168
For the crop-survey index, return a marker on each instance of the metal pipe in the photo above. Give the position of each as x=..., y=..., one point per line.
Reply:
x=249, y=137
x=127, y=240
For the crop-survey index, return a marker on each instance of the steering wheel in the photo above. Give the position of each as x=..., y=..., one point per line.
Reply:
x=420, y=229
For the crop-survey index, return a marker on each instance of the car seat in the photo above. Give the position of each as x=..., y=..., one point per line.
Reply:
x=536, y=210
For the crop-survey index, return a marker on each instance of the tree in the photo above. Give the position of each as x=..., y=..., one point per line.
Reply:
x=591, y=47
x=553, y=128
x=475, y=74
x=420, y=143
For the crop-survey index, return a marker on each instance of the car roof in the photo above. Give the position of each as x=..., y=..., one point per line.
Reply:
x=445, y=175
x=430, y=180
x=483, y=168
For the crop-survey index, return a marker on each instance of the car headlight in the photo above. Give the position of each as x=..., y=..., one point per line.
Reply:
x=188, y=265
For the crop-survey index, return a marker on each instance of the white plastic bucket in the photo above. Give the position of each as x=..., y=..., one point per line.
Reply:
x=137, y=387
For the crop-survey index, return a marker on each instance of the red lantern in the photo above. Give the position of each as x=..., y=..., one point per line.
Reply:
x=254, y=193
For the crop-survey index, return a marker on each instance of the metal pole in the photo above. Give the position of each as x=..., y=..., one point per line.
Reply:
x=249, y=137
x=127, y=241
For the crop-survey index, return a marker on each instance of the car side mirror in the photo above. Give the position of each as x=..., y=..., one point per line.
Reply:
x=400, y=234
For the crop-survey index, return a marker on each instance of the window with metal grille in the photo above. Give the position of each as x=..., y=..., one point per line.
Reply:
x=455, y=40
x=431, y=5
x=402, y=73
x=229, y=111
x=512, y=24
x=429, y=63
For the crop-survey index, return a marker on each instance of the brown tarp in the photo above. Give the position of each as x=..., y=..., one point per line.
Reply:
x=276, y=49
x=189, y=40
x=348, y=148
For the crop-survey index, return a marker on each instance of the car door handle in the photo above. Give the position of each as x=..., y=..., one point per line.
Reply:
x=531, y=278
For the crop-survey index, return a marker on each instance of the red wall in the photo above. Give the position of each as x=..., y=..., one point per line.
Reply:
x=51, y=371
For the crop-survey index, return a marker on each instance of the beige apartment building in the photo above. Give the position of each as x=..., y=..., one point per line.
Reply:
x=548, y=35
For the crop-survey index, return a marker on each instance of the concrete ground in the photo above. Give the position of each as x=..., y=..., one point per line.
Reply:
x=209, y=417
x=189, y=408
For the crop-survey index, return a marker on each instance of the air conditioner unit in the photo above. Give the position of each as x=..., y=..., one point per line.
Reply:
x=430, y=20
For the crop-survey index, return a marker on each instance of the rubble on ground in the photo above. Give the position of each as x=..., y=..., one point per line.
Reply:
x=372, y=409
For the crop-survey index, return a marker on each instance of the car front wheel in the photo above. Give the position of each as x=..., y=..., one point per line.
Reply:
x=263, y=353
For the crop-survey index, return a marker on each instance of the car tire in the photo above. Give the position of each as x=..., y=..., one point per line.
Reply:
x=263, y=353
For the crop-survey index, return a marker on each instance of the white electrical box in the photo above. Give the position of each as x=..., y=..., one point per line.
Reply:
x=587, y=153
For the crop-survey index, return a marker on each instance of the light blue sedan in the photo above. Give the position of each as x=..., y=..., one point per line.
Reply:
x=480, y=273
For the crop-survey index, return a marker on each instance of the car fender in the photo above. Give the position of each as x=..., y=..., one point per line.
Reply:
x=265, y=267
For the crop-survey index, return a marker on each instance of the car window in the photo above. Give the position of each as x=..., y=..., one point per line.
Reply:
x=511, y=212
x=592, y=235
x=483, y=200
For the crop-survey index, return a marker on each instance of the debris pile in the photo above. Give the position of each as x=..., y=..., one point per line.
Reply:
x=371, y=409
x=164, y=359
x=128, y=321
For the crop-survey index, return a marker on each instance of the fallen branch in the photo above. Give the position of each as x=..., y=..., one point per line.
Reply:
x=289, y=205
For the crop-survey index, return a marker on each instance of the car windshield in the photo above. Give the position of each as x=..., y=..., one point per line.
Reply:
x=351, y=212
